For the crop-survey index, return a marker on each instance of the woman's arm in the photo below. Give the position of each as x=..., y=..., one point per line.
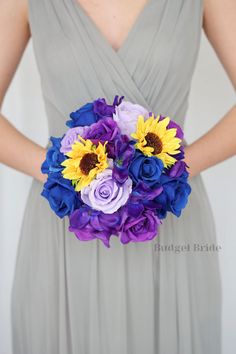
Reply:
x=16, y=150
x=219, y=143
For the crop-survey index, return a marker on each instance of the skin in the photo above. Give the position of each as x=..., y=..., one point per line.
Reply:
x=219, y=25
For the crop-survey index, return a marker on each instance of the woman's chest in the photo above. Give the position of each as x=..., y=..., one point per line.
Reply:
x=113, y=18
x=159, y=53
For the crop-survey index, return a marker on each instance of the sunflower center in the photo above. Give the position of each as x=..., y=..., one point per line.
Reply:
x=155, y=142
x=88, y=162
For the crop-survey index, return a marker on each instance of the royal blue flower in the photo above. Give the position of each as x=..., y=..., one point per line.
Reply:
x=62, y=197
x=54, y=157
x=84, y=116
x=92, y=112
x=145, y=169
x=174, y=196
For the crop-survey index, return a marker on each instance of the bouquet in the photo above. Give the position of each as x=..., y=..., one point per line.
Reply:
x=118, y=170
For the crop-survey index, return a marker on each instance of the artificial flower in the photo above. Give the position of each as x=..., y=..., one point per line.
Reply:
x=143, y=227
x=61, y=195
x=179, y=169
x=104, y=130
x=85, y=161
x=104, y=194
x=154, y=139
x=126, y=115
x=102, y=109
x=142, y=196
x=174, y=196
x=145, y=169
x=70, y=137
x=92, y=112
x=88, y=224
x=123, y=154
x=54, y=157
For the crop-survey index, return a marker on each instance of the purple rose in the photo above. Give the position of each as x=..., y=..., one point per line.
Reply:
x=104, y=130
x=88, y=224
x=70, y=137
x=126, y=116
x=104, y=194
x=140, y=228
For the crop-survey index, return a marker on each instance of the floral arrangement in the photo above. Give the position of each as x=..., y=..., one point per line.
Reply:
x=117, y=171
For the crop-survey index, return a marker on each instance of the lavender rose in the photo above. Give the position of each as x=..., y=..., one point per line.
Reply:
x=104, y=194
x=126, y=116
x=70, y=137
x=141, y=228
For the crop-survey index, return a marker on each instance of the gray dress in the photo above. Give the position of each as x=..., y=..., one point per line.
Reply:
x=75, y=297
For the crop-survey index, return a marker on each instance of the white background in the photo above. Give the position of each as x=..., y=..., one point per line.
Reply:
x=211, y=96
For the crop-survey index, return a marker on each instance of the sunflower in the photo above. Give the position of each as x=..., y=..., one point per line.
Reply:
x=155, y=139
x=85, y=161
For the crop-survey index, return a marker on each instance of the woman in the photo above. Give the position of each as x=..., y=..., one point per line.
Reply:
x=76, y=297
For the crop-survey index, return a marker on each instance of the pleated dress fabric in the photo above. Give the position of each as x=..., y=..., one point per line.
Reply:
x=75, y=297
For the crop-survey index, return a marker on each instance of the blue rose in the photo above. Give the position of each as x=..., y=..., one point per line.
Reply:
x=174, y=196
x=54, y=157
x=62, y=197
x=92, y=112
x=84, y=116
x=145, y=169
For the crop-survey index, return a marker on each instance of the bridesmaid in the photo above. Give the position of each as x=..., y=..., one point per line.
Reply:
x=24, y=155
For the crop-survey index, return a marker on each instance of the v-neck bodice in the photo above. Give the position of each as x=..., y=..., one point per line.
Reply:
x=128, y=36
x=154, y=65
